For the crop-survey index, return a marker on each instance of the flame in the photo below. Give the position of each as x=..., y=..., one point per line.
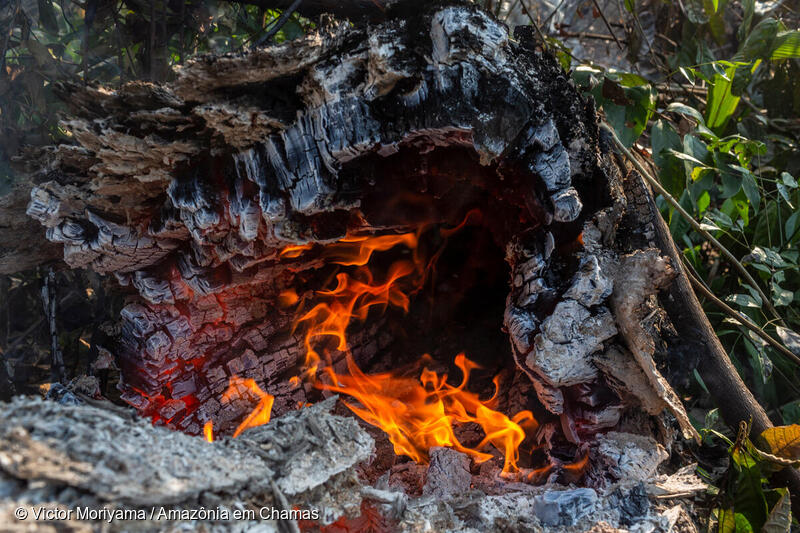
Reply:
x=295, y=250
x=261, y=413
x=208, y=431
x=288, y=298
x=416, y=413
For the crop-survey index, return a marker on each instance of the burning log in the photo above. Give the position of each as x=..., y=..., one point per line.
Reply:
x=310, y=214
x=230, y=185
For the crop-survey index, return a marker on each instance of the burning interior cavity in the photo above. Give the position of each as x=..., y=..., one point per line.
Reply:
x=446, y=274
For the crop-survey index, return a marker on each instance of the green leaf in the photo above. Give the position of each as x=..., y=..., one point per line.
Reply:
x=748, y=6
x=766, y=256
x=749, y=502
x=781, y=296
x=689, y=158
x=683, y=109
x=630, y=120
x=664, y=138
x=760, y=41
x=688, y=73
x=750, y=188
x=784, y=194
x=789, y=338
x=678, y=225
x=630, y=6
x=780, y=518
x=726, y=521
x=695, y=12
x=743, y=300
x=792, y=225
x=742, y=524
x=731, y=182
x=722, y=103
x=786, y=46
x=788, y=180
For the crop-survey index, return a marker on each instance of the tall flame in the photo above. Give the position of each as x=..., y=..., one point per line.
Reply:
x=416, y=413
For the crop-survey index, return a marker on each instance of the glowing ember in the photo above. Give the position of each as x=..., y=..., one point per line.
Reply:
x=208, y=431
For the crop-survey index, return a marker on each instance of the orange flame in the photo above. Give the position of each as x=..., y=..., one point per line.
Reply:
x=260, y=415
x=416, y=414
x=295, y=250
x=208, y=431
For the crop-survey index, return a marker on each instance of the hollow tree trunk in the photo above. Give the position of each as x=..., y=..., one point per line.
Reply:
x=189, y=192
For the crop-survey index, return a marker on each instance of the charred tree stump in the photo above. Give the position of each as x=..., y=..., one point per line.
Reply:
x=189, y=192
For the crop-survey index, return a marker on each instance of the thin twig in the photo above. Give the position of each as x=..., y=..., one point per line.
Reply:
x=700, y=287
x=279, y=24
x=586, y=35
x=547, y=20
x=533, y=22
x=695, y=225
x=608, y=25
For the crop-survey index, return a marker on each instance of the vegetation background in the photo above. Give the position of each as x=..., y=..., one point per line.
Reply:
x=706, y=91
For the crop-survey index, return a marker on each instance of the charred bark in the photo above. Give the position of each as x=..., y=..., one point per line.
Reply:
x=188, y=192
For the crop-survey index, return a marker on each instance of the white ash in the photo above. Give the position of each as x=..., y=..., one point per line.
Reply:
x=624, y=457
x=448, y=473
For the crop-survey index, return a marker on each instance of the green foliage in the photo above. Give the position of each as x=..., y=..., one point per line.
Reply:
x=747, y=502
x=627, y=99
x=726, y=153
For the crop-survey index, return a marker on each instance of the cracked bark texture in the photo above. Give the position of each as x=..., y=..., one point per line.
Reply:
x=79, y=455
x=72, y=455
x=188, y=192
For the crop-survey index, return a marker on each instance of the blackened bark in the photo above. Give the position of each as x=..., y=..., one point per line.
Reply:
x=188, y=192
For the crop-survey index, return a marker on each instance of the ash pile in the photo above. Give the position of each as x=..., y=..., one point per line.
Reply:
x=305, y=466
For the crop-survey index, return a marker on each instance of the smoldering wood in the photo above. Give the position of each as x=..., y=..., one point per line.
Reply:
x=188, y=191
x=70, y=455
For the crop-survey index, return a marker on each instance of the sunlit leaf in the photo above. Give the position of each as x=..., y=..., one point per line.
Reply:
x=786, y=46
x=688, y=73
x=783, y=441
x=789, y=338
x=722, y=103
x=726, y=521
x=683, y=109
x=743, y=300
x=781, y=296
